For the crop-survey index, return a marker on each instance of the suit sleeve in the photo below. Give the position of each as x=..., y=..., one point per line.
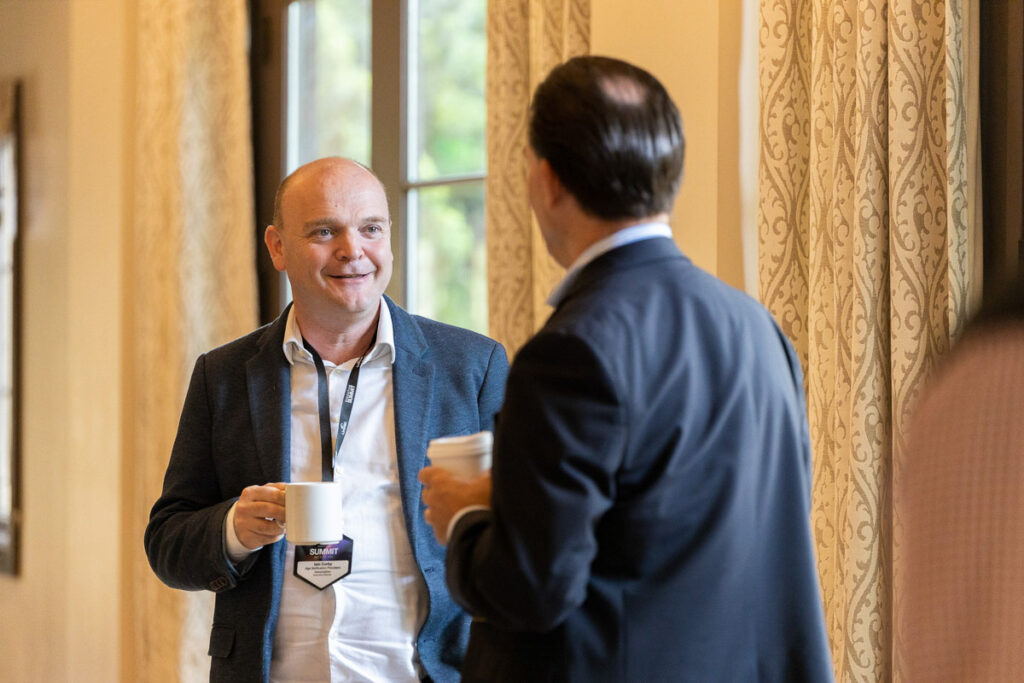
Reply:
x=525, y=564
x=492, y=389
x=798, y=387
x=185, y=535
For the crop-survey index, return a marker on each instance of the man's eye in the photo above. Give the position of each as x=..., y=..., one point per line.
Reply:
x=373, y=228
x=323, y=232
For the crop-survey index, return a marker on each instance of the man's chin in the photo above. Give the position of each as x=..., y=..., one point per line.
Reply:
x=358, y=305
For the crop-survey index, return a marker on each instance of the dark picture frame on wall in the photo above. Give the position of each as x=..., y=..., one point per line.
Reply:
x=10, y=297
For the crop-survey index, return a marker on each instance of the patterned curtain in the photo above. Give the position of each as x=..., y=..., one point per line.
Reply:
x=193, y=275
x=866, y=248
x=525, y=40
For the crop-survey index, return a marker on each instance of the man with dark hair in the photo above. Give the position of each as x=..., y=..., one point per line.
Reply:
x=647, y=516
x=344, y=386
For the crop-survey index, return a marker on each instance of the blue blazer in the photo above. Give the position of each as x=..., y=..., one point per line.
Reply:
x=651, y=492
x=235, y=432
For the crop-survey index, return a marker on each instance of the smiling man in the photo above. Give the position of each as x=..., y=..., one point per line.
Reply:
x=266, y=409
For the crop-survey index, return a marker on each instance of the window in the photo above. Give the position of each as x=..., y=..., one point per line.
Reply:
x=398, y=86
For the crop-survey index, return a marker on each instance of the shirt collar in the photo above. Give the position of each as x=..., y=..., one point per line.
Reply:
x=384, y=347
x=619, y=238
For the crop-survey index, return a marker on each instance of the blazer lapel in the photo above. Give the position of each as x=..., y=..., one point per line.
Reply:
x=268, y=377
x=413, y=382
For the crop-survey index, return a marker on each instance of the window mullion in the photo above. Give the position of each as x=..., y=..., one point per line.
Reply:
x=388, y=136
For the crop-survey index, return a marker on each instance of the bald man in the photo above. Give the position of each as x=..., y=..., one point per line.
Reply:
x=255, y=416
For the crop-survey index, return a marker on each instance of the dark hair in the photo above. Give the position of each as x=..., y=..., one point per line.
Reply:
x=612, y=135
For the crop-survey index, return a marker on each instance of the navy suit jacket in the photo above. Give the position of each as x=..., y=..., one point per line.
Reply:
x=651, y=492
x=234, y=432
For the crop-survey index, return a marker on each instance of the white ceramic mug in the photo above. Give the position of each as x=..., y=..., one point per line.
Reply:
x=313, y=512
x=466, y=457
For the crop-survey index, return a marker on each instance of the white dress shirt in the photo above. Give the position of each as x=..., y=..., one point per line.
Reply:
x=363, y=627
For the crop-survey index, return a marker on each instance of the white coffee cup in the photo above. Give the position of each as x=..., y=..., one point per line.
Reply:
x=313, y=512
x=466, y=457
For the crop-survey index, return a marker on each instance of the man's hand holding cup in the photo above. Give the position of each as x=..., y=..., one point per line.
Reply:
x=459, y=477
x=259, y=515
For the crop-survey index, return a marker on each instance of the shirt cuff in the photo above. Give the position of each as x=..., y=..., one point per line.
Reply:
x=459, y=515
x=236, y=551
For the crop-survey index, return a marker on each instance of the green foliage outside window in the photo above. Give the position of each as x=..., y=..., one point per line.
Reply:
x=451, y=251
x=343, y=79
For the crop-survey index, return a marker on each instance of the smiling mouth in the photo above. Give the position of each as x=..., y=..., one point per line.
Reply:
x=349, y=276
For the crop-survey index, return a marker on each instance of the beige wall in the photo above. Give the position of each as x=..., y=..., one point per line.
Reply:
x=33, y=605
x=60, y=619
x=694, y=49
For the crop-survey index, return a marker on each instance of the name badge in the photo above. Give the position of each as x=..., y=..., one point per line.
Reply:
x=323, y=564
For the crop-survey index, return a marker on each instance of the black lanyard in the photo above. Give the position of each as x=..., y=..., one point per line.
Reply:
x=327, y=454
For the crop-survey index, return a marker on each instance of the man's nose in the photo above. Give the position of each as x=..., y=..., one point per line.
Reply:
x=347, y=246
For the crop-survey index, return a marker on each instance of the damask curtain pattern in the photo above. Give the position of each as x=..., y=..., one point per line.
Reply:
x=192, y=273
x=864, y=255
x=525, y=40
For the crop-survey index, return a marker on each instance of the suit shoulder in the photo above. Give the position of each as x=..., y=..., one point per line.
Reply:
x=669, y=299
x=445, y=337
x=240, y=348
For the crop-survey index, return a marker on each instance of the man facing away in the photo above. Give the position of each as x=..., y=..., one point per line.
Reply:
x=647, y=516
x=254, y=414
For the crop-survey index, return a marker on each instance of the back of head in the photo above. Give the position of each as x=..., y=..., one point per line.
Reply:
x=612, y=134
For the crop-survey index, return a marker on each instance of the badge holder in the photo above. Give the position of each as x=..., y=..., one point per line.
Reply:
x=324, y=564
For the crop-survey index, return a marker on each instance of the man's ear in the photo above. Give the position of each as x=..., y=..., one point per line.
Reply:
x=275, y=245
